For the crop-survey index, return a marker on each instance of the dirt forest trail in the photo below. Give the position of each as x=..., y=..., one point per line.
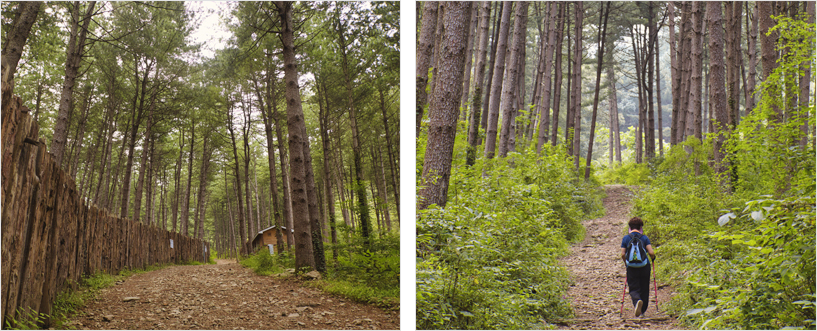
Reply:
x=598, y=274
x=224, y=296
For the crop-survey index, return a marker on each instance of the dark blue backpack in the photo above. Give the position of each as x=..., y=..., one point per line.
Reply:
x=636, y=253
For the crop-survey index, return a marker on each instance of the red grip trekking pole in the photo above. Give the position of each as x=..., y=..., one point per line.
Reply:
x=655, y=285
x=621, y=312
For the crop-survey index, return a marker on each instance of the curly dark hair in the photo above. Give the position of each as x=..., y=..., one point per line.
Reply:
x=636, y=223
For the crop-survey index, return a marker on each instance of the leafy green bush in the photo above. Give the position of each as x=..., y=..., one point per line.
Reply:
x=265, y=264
x=378, y=296
x=369, y=274
x=737, y=262
x=376, y=265
x=488, y=260
x=628, y=174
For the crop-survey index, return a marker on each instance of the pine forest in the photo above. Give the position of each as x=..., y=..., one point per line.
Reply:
x=545, y=128
x=265, y=132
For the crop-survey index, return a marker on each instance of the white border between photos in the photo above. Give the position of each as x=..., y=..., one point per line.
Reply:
x=408, y=215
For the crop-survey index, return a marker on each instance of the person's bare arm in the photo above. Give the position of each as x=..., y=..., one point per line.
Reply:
x=624, y=254
x=651, y=252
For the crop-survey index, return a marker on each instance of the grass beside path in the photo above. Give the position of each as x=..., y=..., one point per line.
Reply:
x=356, y=284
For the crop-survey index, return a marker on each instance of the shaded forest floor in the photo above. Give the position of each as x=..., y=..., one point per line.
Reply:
x=224, y=296
x=598, y=274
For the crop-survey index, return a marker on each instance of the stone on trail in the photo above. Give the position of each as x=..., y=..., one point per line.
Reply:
x=293, y=315
x=128, y=299
x=107, y=318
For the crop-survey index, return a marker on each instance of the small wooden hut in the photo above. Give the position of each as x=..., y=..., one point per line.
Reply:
x=269, y=236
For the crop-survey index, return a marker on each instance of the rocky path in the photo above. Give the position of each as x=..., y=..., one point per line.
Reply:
x=598, y=274
x=224, y=296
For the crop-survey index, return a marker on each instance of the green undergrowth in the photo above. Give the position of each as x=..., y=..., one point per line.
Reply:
x=356, y=291
x=367, y=273
x=488, y=260
x=739, y=260
x=265, y=264
x=740, y=245
x=627, y=173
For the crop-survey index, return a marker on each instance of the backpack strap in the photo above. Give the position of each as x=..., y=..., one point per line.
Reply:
x=633, y=236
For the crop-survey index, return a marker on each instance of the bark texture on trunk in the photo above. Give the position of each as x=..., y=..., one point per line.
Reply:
x=718, y=80
x=496, y=87
x=17, y=37
x=296, y=127
x=510, y=89
x=76, y=45
x=443, y=116
x=424, y=52
x=476, y=103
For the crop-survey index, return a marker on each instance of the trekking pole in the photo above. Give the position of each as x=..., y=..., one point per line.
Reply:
x=621, y=312
x=655, y=286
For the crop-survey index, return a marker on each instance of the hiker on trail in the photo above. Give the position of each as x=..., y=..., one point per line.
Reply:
x=634, y=248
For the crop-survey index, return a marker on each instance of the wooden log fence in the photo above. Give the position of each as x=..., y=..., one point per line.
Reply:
x=51, y=238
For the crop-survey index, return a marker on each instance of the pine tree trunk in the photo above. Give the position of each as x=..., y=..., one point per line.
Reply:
x=569, y=117
x=108, y=127
x=577, y=84
x=266, y=115
x=599, y=62
x=650, y=70
x=149, y=182
x=685, y=62
x=443, y=114
x=16, y=41
x=435, y=57
x=751, y=51
x=658, y=99
x=693, y=125
x=734, y=60
x=76, y=45
x=476, y=103
x=424, y=52
x=768, y=42
x=510, y=89
x=176, y=179
x=383, y=188
x=137, y=202
x=314, y=211
x=718, y=80
x=675, y=76
x=496, y=87
x=206, y=154
x=136, y=119
x=282, y=158
x=544, y=104
x=357, y=152
x=237, y=169
x=483, y=122
x=805, y=84
x=557, y=82
x=79, y=137
x=392, y=166
x=304, y=257
x=337, y=160
x=615, y=135
x=251, y=224
x=183, y=227
x=323, y=117
x=466, y=82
